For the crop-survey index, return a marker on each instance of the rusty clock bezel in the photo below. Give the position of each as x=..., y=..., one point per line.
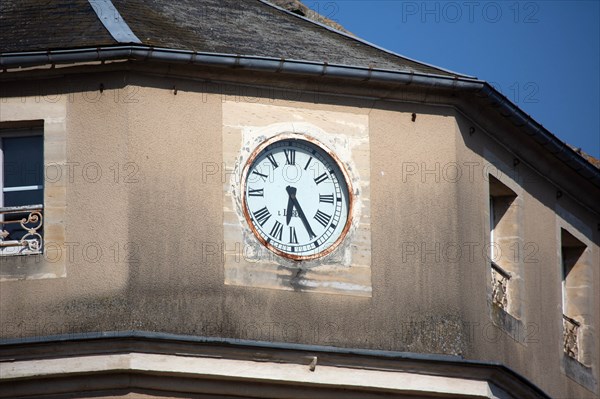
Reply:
x=300, y=137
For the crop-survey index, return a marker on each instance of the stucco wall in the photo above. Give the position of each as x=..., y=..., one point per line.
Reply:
x=155, y=213
x=535, y=346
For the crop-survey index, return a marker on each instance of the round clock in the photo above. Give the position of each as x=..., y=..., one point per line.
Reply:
x=297, y=198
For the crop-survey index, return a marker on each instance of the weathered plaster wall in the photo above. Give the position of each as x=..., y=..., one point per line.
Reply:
x=534, y=347
x=158, y=223
x=93, y=217
x=246, y=262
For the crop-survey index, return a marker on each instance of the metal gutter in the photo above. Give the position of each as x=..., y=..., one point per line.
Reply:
x=252, y=63
x=254, y=345
x=480, y=88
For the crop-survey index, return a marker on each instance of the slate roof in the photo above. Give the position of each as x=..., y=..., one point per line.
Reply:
x=249, y=27
x=29, y=25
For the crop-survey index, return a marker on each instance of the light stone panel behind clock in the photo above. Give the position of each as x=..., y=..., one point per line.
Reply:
x=247, y=263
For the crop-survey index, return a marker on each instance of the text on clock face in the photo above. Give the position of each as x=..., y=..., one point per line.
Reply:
x=284, y=212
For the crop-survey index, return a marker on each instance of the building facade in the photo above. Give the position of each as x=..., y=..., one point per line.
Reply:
x=426, y=238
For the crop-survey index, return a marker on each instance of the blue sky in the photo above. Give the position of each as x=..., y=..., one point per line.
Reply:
x=543, y=55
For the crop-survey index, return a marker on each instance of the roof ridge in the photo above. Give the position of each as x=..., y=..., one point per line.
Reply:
x=363, y=41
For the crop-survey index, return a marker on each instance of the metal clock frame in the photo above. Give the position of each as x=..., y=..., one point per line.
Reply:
x=302, y=137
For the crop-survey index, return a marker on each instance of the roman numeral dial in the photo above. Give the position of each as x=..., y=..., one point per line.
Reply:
x=277, y=231
x=326, y=198
x=296, y=197
x=290, y=156
x=322, y=218
x=262, y=215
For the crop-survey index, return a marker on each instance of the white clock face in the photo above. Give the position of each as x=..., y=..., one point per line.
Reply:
x=296, y=197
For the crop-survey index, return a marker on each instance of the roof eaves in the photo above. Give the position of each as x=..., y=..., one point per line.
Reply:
x=250, y=62
x=543, y=136
x=266, y=64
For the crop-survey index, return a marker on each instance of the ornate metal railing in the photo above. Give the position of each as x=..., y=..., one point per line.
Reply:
x=500, y=278
x=570, y=331
x=21, y=229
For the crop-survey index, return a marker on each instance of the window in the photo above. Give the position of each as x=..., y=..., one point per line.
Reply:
x=22, y=197
x=573, y=271
x=503, y=230
x=45, y=121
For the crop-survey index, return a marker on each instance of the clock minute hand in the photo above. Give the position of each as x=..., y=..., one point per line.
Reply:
x=290, y=208
x=303, y=218
x=292, y=193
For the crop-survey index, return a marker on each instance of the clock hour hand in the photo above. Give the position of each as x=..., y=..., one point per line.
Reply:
x=292, y=194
